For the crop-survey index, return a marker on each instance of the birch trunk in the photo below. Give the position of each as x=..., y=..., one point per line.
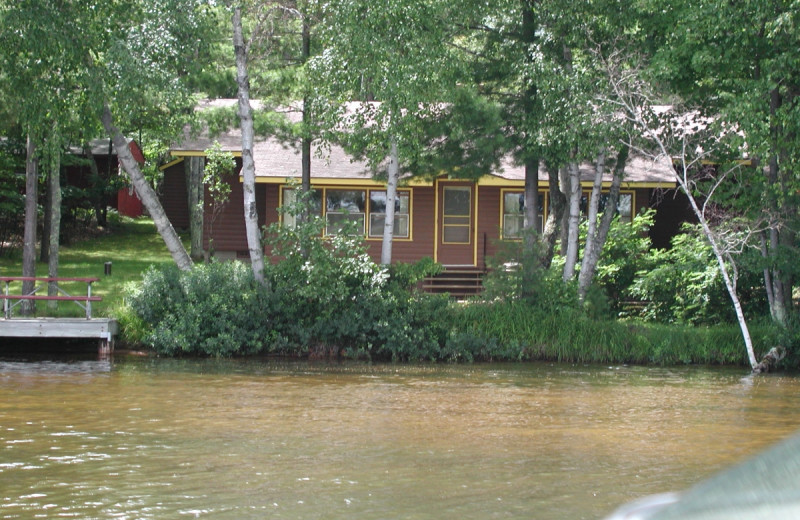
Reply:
x=391, y=197
x=596, y=239
x=193, y=169
x=248, y=165
x=54, y=188
x=590, y=251
x=29, y=235
x=574, y=220
x=146, y=193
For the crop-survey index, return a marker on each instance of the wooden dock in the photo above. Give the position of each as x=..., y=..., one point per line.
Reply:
x=104, y=329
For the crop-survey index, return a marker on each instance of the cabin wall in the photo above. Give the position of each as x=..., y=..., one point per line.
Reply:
x=230, y=239
x=174, y=197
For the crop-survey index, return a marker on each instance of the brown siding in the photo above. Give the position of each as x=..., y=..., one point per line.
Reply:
x=174, y=198
x=423, y=224
x=488, y=223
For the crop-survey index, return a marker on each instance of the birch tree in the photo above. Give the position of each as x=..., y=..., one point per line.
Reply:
x=672, y=135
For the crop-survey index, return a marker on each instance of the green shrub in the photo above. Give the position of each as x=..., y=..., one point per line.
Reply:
x=214, y=309
x=683, y=284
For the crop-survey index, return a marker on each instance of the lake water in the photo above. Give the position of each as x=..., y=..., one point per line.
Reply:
x=251, y=439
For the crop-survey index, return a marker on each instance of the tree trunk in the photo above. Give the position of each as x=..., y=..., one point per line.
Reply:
x=391, y=197
x=591, y=252
x=574, y=221
x=193, y=169
x=29, y=235
x=730, y=284
x=306, y=142
x=146, y=194
x=596, y=240
x=99, y=204
x=44, y=246
x=555, y=215
x=54, y=200
x=530, y=258
x=778, y=308
x=248, y=165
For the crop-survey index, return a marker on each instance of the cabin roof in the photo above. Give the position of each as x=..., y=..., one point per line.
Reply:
x=276, y=161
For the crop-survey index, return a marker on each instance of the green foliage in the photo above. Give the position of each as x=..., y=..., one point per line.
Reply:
x=12, y=200
x=515, y=330
x=683, y=284
x=516, y=272
x=335, y=298
x=625, y=253
x=215, y=309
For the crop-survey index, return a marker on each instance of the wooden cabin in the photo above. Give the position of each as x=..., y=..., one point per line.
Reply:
x=457, y=223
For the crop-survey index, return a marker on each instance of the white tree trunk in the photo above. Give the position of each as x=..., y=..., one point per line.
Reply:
x=391, y=197
x=146, y=193
x=591, y=252
x=29, y=235
x=595, y=243
x=574, y=221
x=248, y=165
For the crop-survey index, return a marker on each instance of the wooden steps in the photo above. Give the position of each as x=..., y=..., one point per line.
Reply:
x=459, y=283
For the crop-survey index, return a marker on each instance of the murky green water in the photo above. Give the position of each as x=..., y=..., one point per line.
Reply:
x=144, y=438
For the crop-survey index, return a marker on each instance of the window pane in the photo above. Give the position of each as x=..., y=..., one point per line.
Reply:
x=514, y=203
x=457, y=201
x=337, y=221
x=625, y=207
x=456, y=234
x=512, y=226
x=289, y=196
x=514, y=213
x=345, y=200
x=377, y=208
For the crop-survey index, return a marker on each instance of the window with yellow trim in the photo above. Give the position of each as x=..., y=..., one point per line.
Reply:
x=513, y=212
x=377, y=214
x=345, y=209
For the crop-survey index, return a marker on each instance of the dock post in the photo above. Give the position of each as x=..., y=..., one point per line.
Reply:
x=105, y=347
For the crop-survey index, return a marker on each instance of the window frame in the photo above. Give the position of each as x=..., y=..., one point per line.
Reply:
x=407, y=192
x=543, y=209
x=366, y=214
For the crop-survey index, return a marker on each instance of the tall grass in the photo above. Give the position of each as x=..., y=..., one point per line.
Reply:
x=570, y=336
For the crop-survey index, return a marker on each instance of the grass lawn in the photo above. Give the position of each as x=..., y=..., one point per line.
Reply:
x=132, y=247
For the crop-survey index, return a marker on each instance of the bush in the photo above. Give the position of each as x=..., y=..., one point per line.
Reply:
x=215, y=309
x=683, y=284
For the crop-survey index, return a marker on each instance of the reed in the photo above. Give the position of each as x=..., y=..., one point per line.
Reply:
x=568, y=335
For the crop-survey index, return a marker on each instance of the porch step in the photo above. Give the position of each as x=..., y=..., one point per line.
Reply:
x=458, y=283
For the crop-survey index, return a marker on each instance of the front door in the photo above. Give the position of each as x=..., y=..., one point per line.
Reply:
x=456, y=224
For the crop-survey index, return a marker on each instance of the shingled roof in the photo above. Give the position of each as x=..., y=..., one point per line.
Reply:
x=277, y=161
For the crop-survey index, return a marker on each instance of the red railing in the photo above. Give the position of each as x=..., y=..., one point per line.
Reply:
x=12, y=300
